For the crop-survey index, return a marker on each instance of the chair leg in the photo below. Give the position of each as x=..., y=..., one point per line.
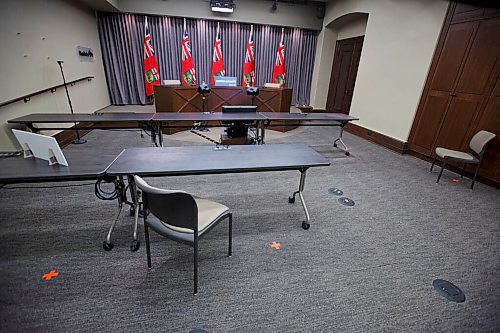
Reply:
x=148, y=250
x=475, y=175
x=195, y=267
x=433, y=162
x=230, y=247
x=441, y=172
x=463, y=170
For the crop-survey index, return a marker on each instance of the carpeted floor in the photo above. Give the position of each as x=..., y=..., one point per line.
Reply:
x=368, y=267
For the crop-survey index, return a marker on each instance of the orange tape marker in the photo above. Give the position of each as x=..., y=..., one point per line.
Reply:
x=275, y=245
x=455, y=180
x=50, y=275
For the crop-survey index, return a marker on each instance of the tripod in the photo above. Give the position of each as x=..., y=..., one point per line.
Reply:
x=78, y=140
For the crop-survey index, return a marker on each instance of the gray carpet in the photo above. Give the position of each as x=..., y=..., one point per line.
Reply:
x=368, y=267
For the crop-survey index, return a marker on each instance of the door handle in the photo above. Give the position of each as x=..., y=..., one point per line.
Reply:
x=453, y=94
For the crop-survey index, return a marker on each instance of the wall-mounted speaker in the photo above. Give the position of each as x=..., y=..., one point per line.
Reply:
x=320, y=10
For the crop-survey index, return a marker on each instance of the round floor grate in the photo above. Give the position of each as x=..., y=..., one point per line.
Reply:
x=335, y=191
x=346, y=201
x=448, y=290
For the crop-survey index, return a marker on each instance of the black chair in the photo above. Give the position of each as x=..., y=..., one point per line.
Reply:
x=181, y=217
x=238, y=129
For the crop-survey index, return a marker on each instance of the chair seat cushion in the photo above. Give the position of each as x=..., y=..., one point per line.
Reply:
x=209, y=212
x=443, y=152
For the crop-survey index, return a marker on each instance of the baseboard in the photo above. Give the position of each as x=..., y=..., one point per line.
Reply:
x=378, y=138
x=67, y=136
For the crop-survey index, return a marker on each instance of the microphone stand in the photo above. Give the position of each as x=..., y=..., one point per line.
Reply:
x=78, y=140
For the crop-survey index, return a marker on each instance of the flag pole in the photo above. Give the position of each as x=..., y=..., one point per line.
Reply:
x=78, y=140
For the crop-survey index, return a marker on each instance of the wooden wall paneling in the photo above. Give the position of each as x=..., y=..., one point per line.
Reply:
x=220, y=96
x=473, y=88
x=462, y=93
x=465, y=11
x=490, y=121
x=441, y=89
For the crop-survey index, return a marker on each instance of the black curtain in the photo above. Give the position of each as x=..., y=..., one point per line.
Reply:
x=122, y=36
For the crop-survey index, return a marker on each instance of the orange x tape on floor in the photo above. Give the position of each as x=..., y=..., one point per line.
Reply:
x=275, y=245
x=455, y=180
x=53, y=273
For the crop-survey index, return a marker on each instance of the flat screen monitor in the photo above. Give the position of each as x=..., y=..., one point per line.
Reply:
x=40, y=146
x=239, y=108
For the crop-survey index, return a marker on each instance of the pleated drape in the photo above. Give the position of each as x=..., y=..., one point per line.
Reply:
x=122, y=35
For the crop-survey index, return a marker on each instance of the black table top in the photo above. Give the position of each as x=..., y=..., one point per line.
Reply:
x=175, y=116
x=81, y=117
x=193, y=160
x=82, y=166
x=207, y=116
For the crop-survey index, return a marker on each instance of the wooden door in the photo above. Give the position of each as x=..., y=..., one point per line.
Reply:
x=344, y=71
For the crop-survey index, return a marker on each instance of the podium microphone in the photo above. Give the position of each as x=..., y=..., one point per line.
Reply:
x=78, y=140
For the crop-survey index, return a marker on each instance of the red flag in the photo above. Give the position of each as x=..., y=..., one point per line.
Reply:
x=279, y=65
x=188, y=74
x=151, y=73
x=217, y=63
x=248, y=78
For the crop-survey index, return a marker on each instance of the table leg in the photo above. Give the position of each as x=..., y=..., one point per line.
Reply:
x=136, y=207
x=306, y=223
x=160, y=134
x=107, y=244
x=156, y=135
x=339, y=140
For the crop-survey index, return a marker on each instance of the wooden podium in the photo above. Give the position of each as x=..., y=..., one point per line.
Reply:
x=187, y=99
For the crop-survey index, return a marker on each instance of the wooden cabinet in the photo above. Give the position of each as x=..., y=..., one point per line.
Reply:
x=461, y=86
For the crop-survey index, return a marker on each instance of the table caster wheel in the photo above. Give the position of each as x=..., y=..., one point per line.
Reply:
x=132, y=211
x=305, y=225
x=291, y=199
x=335, y=145
x=135, y=246
x=347, y=153
x=107, y=246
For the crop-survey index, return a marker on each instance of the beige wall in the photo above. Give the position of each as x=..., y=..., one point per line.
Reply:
x=399, y=42
x=249, y=11
x=35, y=34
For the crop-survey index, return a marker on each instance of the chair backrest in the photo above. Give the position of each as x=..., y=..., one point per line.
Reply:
x=176, y=208
x=479, y=141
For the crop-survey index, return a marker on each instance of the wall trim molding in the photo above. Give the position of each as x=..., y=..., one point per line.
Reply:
x=378, y=138
x=66, y=136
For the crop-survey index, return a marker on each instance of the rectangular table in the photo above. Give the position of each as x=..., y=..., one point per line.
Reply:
x=155, y=121
x=113, y=120
x=82, y=166
x=164, y=161
x=316, y=119
x=199, y=160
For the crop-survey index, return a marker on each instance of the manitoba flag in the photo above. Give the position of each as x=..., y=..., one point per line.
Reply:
x=151, y=74
x=279, y=64
x=217, y=63
x=188, y=74
x=248, y=78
